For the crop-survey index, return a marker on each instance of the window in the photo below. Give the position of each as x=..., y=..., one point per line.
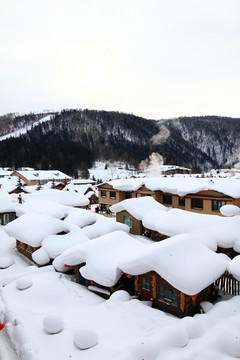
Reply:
x=168, y=296
x=103, y=193
x=8, y=218
x=217, y=204
x=146, y=284
x=181, y=201
x=112, y=194
x=196, y=203
x=127, y=220
x=167, y=199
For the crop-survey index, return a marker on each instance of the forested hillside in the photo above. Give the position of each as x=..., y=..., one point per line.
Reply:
x=73, y=139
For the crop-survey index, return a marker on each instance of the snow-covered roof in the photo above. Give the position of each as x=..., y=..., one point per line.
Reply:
x=180, y=185
x=182, y=260
x=139, y=207
x=43, y=175
x=103, y=226
x=216, y=230
x=8, y=203
x=102, y=256
x=69, y=198
x=32, y=228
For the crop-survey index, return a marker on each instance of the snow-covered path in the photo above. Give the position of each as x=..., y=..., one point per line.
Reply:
x=6, y=350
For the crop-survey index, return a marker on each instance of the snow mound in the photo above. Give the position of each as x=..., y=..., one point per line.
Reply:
x=53, y=324
x=24, y=283
x=5, y=262
x=176, y=336
x=41, y=257
x=230, y=341
x=85, y=338
x=193, y=327
x=120, y=296
x=230, y=210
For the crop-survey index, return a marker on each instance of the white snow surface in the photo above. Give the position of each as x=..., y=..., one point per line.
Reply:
x=32, y=228
x=180, y=185
x=182, y=260
x=230, y=210
x=53, y=323
x=24, y=130
x=126, y=328
x=103, y=226
x=69, y=198
x=85, y=338
x=102, y=269
x=138, y=207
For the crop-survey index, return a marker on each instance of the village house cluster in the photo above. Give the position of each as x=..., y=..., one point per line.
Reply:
x=173, y=241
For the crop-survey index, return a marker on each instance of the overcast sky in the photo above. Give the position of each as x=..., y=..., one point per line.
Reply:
x=153, y=58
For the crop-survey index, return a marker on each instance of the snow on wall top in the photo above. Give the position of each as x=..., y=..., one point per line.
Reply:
x=180, y=185
x=182, y=260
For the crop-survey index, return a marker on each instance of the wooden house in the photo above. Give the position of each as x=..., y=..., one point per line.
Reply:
x=175, y=274
x=198, y=195
x=35, y=177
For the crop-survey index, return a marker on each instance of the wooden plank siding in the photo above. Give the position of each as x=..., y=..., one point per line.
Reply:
x=179, y=305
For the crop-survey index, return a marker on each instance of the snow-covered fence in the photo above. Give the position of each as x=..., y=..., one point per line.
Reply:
x=228, y=284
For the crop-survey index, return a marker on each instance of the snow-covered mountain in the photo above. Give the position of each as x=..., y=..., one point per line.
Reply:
x=74, y=139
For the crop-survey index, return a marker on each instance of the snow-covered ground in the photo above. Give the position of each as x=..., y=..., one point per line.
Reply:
x=121, y=327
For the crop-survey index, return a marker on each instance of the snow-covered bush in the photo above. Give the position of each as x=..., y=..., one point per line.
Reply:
x=85, y=338
x=24, y=283
x=5, y=262
x=53, y=323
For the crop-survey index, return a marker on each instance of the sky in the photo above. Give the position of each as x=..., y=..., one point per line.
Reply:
x=157, y=59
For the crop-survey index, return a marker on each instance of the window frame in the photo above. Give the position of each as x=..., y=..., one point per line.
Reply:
x=168, y=296
x=127, y=220
x=196, y=206
x=145, y=284
x=113, y=195
x=102, y=194
x=223, y=202
x=167, y=199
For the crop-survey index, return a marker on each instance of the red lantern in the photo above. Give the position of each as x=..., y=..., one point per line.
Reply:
x=234, y=200
x=194, y=296
x=66, y=266
x=2, y=325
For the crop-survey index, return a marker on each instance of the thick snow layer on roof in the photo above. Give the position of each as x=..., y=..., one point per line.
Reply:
x=43, y=175
x=182, y=260
x=42, y=206
x=70, y=198
x=103, y=226
x=102, y=256
x=180, y=185
x=80, y=217
x=32, y=228
x=138, y=207
x=8, y=203
x=54, y=245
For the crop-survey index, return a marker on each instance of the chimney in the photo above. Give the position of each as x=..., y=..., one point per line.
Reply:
x=20, y=199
